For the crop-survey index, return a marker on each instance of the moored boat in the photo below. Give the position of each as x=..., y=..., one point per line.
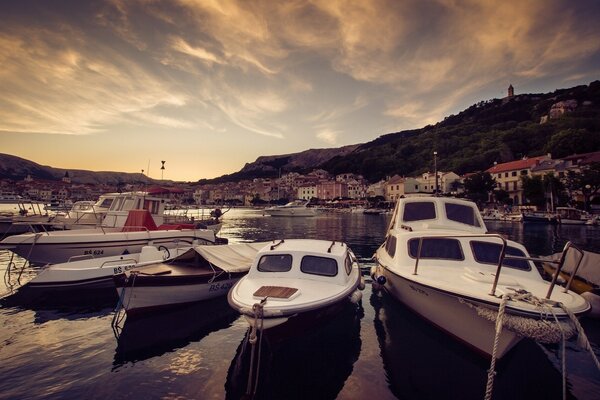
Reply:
x=138, y=230
x=202, y=273
x=294, y=283
x=439, y=260
x=97, y=273
x=295, y=208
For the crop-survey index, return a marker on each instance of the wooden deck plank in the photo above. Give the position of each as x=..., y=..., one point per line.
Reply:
x=280, y=292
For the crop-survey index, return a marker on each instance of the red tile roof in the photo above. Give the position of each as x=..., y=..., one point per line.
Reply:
x=516, y=165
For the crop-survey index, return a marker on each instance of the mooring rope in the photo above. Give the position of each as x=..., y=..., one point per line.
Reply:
x=492, y=371
x=258, y=310
x=582, y=339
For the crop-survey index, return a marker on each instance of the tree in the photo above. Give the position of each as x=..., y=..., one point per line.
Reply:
x=533, y=190
x=478, y=186
x=502, y=197
x=587, y=181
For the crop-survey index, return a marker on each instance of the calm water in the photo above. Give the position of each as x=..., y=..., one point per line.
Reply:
x=380, y=350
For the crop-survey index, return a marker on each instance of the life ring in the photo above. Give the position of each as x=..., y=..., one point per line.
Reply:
x=166, y=252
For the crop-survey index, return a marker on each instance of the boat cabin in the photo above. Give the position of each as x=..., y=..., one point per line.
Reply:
x=316, y=260
x=425, y=213
x=125, y=202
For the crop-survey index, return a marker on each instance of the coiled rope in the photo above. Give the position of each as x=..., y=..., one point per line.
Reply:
x=564, y=329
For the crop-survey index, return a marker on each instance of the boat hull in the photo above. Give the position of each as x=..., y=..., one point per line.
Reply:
x=146, y=294
x=43, y=249
x=449, y=313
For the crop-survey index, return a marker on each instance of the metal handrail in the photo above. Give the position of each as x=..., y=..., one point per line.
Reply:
x=503, y=257
x=561, y=264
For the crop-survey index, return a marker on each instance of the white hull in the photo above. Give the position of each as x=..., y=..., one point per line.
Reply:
x=446, y=312
x=146, y=298
x=291, y=213
x=61, y=246
x=97, y=273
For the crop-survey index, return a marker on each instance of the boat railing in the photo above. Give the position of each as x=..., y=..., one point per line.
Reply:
x=504, y=256
x=121, y=261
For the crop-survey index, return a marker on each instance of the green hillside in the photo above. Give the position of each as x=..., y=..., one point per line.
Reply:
x=496, y=130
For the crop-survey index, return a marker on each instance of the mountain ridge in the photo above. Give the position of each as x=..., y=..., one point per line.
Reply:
x=563, y=122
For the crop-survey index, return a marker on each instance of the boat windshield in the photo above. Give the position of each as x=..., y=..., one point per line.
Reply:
x=462, y=213
x=489, y=253
x=319, y=266
x=419, y=211
x=275, y=263
x=436, y=248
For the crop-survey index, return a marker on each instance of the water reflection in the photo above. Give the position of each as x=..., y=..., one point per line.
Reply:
x=152, y=335
x=545, y=239
x=422, y=362
x=314, y=365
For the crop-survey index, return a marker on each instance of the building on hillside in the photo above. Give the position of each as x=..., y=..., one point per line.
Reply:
x=398, y=186
x=329, y=190
x=446, y=182
x=508, y=176
x=307, y=192
x=376, y=189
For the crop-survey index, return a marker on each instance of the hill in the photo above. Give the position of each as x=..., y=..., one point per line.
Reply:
x=16, y=168
x=564, y=122
x=561, y=123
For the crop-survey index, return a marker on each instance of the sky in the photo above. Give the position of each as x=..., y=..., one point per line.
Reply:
x=208, y=86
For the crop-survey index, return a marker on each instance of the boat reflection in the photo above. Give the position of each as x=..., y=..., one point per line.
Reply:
x=154, y=334
x=423, y=362
x=313, y=365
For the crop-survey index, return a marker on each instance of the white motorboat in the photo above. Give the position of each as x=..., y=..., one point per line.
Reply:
x=138, y=230
x=572, y=216
x=438, y=259
x=296, y=208
x=202, y=273
x=97, y=273
x=296, y=282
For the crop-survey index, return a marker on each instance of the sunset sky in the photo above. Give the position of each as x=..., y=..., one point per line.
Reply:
x=207, y=86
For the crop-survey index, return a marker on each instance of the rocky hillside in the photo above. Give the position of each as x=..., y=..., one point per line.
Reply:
x=270, y=166
x=16, y=168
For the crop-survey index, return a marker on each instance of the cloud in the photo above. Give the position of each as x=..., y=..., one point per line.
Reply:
x=328, y=136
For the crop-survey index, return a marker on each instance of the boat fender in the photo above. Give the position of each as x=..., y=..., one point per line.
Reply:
x=373, y=272
x=381, y=280
x=355, y=297
x=361, y=284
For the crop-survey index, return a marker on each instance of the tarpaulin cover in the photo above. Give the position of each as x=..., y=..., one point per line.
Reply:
x=236, y=257
x=589, y=268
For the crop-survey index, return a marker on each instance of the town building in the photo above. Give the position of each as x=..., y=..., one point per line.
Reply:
x=508, y=176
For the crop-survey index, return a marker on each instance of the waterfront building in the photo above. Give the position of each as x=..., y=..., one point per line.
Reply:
x=397, y=187
x=307, y=192
x=508, y=175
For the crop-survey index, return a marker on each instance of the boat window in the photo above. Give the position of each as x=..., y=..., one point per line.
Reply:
x=418, y=211
x=390, y=245
x=439, y=248
x=275, y=263
x=116, y=205
x=462, y=213
x=106, y=203
x=319, y=266
x=348, y=264
x=129, y=204
x=489, y=253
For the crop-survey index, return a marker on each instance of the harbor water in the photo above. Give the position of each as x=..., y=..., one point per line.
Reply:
x=378, y=350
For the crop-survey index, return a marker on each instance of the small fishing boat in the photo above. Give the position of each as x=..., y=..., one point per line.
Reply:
x=296, y=208
x=294, y=283
x=439, y=260
x=202, y=273
x=97, y=273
